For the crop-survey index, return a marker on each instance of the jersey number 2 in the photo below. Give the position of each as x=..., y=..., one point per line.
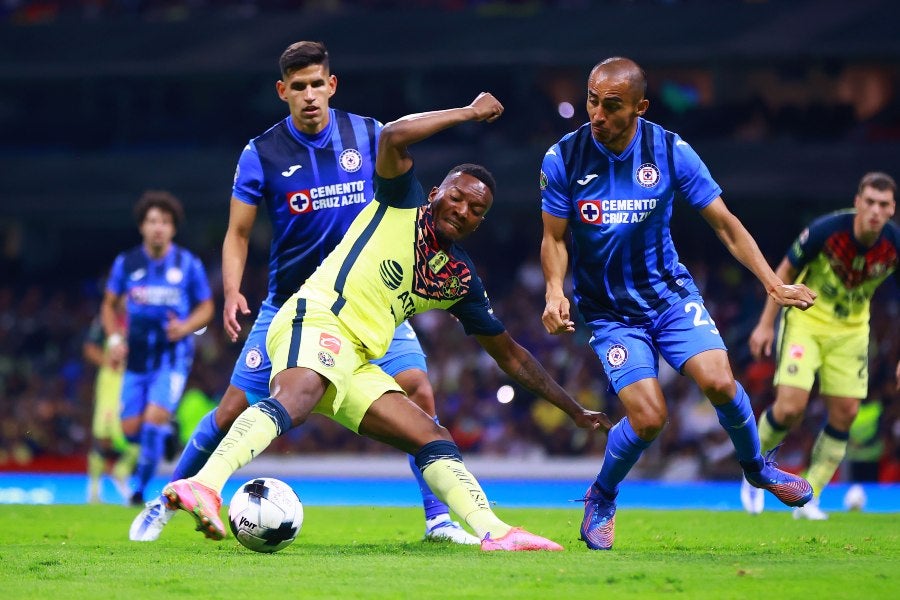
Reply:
x=701, y=316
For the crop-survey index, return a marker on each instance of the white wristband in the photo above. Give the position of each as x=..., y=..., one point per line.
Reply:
x=115, y=339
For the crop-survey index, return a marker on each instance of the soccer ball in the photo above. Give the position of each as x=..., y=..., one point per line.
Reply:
x=265, y=514
x=855, y=498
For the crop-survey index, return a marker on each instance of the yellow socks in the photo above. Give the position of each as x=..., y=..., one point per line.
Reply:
x=451, y=482
x=826, y=457
x=769, y=435
x=251, y=433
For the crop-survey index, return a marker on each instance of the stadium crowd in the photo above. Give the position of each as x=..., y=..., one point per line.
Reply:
x=46, y=388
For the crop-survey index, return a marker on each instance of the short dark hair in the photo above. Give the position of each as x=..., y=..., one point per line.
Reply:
x=161, y=199
x=300, y=55
x=478, y=172
x=878, y=180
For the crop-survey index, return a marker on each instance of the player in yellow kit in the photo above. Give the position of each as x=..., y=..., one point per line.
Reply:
x=844, y=257
x=108, y=443
x=399, y=257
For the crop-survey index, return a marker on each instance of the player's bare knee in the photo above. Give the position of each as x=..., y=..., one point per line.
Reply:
x=719, y=388
x=233, y=403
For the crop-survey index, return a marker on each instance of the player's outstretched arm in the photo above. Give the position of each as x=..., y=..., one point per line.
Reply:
x=393, y=158
x=554, y=262
x=743, y=247
x=518, y=363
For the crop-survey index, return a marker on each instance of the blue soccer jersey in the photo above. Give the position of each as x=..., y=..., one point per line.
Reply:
x=155, y=290
x=625, y=267
x=313, y=186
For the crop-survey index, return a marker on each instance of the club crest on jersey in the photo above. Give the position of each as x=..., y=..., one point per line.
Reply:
x=299, y=202
x=617, y=355
x=544, y=180
x=254, y=358
x=174, y=275
x=797, y=351
x=647, y=175
x=451, y=287
x=391, y=274
x=330, y=342
x=326, y=359
x=589, y=211
x=350, y=160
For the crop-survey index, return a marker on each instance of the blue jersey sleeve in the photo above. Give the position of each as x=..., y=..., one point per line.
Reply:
x=248, y=177
x=198, y=286
x=692, y=176
x=554, y=193
x=116, y=282
x=404, y=191
x=475, y=313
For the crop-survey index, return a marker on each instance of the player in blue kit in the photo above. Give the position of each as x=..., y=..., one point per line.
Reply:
x=166, y=297
x=614, y=182
x=313, y=173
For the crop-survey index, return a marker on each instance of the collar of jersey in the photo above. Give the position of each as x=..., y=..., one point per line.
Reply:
x=318, y=140
x=628, y=149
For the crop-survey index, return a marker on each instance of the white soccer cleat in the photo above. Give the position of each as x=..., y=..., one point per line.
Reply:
x=810, y=511
x=149, y=523
x=753, y=499
x=855, y=498
x=450, y=531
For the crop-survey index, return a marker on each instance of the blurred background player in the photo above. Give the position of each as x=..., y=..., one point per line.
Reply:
x=110, y=454
x=313, y=173
x=400, y=257
x=164, y=293
x=844, y=257
x=614, y=181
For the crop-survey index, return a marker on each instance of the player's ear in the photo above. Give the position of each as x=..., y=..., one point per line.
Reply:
x=432, y=194
x=642, y=107
x=280, y=89
x=332, y=85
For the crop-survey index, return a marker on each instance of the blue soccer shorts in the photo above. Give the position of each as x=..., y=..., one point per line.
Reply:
x=162, y=387
x=630, y=353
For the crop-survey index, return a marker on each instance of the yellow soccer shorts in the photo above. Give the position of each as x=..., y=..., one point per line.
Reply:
x=838, y=354
x=307, y=334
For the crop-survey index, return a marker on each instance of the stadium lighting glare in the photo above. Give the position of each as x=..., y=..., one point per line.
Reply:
x=566, y=110
x=505, y=394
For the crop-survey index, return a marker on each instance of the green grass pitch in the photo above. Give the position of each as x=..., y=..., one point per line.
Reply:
x=66, y=552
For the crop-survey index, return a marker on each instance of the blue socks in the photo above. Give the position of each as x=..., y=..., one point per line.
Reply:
x=738, y=420
x=433, y=506
x=152, y=441
x=623, y=449
x=203, y=442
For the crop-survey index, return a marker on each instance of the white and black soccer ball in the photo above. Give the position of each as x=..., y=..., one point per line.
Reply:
x=265, y=514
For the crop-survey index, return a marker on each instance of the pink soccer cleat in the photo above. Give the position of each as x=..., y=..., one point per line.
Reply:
x=517, y=540
x=202, y=502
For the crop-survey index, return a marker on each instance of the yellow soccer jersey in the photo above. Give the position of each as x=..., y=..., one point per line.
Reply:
x=843, y=273
x=391, y=265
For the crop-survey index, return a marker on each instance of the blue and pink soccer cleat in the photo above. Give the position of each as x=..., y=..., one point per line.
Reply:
x=598, y=528
x=791, y=489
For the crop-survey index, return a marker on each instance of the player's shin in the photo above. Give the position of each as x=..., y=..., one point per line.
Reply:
x=736, y=417
x=251, y=433
x=203, y=441
x=448, y=478
x=827, y=454
x=771, y=432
